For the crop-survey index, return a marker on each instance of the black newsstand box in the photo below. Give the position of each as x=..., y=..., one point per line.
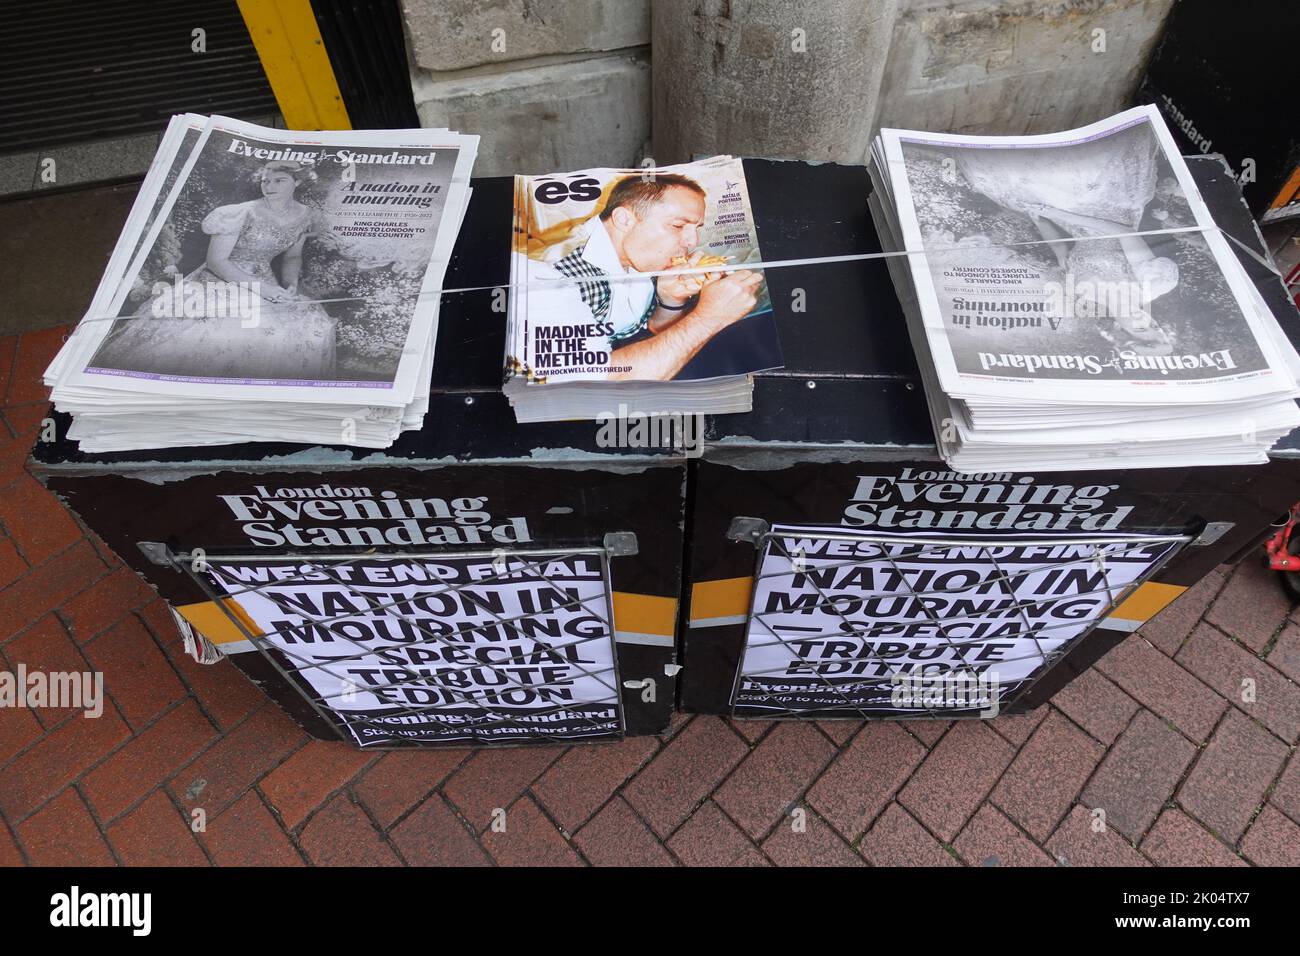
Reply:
x=840, y=438
x=845, y=414
x=535, y=511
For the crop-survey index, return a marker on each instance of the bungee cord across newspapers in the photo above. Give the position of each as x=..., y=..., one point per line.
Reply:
x=1026, y=360
x=779, y=264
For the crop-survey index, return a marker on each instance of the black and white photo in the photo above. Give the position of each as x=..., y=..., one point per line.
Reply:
x=1072, y=303
x=270, y=285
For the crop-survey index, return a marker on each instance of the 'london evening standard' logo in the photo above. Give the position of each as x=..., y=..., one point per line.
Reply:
x=998, y=501
x=326, y=516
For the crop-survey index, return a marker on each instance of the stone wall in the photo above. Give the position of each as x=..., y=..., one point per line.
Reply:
x=1015, y=66
x=553, y=85
x=767, y=77
x=548, y=84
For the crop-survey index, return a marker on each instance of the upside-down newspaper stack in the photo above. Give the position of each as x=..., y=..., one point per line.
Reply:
x=1073, y=305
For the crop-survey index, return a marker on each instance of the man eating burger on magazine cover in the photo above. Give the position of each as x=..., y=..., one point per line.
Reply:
x=648, y=224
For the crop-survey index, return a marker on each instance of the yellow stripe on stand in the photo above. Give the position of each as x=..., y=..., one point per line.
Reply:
x=715, y=603
x=214, y=623
x=644, y=619
x=296, y=63
x=1143, y=604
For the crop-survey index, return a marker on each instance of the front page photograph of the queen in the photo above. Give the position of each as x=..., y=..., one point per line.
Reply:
x=284, y=287
x=1078, y=279
x=632, y=283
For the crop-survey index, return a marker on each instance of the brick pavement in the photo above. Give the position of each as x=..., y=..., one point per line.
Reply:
x=1177, y=749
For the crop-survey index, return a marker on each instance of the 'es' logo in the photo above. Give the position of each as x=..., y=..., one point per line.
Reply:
x=585, y=189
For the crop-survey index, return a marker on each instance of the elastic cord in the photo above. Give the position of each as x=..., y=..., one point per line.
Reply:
x=563, y=281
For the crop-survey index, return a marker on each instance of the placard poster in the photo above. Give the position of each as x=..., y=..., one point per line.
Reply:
x=487, y=648
x=896, y=624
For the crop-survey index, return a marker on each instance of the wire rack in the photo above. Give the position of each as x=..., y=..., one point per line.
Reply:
x=850, y=625
x=415, y=650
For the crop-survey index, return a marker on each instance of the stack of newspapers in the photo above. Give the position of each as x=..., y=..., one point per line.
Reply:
x=270, y=286
x=629, y=294
x=1072, y=303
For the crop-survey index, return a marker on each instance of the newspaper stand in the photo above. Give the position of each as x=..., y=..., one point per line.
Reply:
x=560, y=560
x=837, y=458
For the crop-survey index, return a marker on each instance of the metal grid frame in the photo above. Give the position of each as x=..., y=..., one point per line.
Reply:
x=762, y=536
x=198, y=561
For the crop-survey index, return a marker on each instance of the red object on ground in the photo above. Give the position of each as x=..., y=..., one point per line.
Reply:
x=1278, y=547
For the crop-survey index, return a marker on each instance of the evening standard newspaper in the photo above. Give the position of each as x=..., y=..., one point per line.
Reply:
x=270, y=285
x=998, y=315
x=1077, y=279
